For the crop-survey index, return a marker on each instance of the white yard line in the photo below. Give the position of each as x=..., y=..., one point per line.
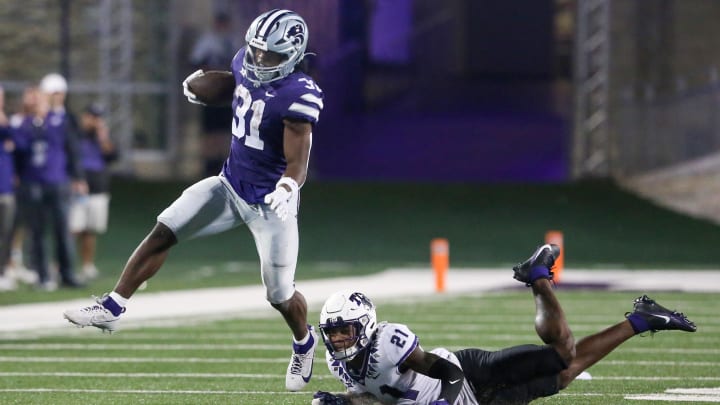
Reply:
x=146, y=308
x=145, y=392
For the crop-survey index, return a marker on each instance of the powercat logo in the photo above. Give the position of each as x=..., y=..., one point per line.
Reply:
x=296, y=34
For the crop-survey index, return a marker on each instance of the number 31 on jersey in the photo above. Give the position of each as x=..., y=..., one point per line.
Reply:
x=246, y=103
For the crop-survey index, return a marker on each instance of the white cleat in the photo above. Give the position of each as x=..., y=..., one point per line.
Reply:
x=95, y=315
x=300, y=368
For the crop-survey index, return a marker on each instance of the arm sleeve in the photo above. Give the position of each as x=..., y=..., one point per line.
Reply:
x=451, y=377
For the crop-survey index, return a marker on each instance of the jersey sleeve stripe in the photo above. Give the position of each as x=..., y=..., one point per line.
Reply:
x=313, y=99
x=408, y=352
x=305, y=109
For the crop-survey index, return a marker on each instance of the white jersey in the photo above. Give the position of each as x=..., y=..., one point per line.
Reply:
x=380, y=374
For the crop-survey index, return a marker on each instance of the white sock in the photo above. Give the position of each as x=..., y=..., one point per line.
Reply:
x=303, y=340
x=119, y=299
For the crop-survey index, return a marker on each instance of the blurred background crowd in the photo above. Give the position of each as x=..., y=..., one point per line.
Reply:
x=470, y=91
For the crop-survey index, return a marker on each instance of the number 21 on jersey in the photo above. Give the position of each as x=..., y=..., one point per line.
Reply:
x=245, y=103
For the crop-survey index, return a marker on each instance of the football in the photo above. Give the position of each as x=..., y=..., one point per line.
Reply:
x=214, y=87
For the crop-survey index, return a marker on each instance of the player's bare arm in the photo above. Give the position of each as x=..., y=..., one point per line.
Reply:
x=296, y=143
x=434, y=366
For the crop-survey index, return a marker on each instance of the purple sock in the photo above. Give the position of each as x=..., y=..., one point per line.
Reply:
x=302, y=349
x=539, y=272
x=112, y=306
x=639, y=323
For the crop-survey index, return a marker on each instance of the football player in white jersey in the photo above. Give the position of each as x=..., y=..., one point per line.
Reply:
x=275, y=107
x=383, y=363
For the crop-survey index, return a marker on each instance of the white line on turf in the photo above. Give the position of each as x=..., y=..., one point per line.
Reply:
x=222, y=303
x=123, y=345
x=152, y=375
x=39, y=359
x=22, y=359
x=322, y=377
x=674, y=398
x=144, y=392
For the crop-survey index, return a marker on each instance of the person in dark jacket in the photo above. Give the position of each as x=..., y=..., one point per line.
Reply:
x=89, y=214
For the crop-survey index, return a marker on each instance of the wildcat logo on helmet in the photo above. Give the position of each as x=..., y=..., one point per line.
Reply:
x=296, y=34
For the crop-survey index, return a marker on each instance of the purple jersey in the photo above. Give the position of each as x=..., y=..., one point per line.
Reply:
x=43, y=148
x=256, y=160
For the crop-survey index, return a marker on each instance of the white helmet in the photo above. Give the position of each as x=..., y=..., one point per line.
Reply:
x=280, y=31
x=348, y=307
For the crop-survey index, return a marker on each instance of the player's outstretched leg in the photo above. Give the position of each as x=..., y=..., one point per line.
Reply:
x=550, y=322
x=143, y=264
x=647, y=315
x=305, y=340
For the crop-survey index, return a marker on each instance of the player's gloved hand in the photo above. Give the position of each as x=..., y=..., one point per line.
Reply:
x=186, y=90
x=282, y=201
x=326, y=398
x=440, y=401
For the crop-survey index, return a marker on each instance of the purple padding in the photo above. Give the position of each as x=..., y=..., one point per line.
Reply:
x=475, y=147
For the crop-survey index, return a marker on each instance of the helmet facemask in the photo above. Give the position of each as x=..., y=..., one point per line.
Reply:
x=262, y=73
x=354, y=312
x=354, y=344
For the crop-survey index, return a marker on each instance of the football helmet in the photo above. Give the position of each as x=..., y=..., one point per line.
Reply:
x=348, y=308
x=281, y=31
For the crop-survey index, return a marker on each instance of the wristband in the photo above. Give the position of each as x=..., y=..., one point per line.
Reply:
x=290, y=182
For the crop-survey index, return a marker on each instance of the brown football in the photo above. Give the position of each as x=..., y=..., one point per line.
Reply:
x=215, y=87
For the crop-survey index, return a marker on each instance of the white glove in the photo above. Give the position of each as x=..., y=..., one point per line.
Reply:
x=282, y=201
x=186, y=90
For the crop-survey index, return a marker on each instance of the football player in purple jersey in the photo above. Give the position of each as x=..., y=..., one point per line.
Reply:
x=275, y=107
x=383, y=363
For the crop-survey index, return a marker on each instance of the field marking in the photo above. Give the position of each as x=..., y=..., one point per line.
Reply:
x=673, y=398
x=124, y=345
x=323, y=377
x=640, y=378
x=21, y=359
x=694, y=391
x=190, y=392
x=150, y=375
x=156, y=347
x=658, y=363
x=674, y=351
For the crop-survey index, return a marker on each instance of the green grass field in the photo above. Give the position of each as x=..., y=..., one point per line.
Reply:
x=361, y=228
x=353, y=229
x=243, y=361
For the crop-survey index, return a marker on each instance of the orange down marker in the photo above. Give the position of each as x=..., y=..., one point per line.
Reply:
x=440, y=258
x=556, y=237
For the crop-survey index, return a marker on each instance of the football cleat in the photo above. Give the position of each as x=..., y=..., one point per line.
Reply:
x=659, y=317
x=539, y=265
x=94, y=315
x=300, y=368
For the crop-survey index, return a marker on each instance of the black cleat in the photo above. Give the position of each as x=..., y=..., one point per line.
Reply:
x=659, y=317
x=544, y=256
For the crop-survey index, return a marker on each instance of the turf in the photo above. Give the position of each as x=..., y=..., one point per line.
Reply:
x=360, y=228
x=243, y=361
